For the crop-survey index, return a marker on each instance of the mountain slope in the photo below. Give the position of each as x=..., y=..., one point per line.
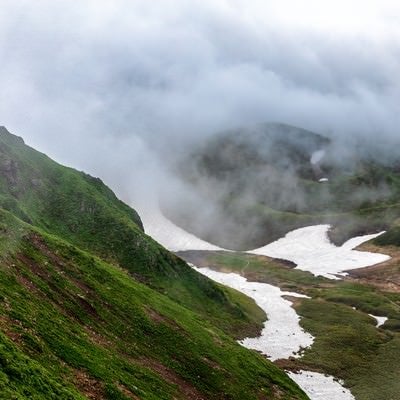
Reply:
x=260, y=183
x=77, y=320
x=82, y=210
x=87, y=328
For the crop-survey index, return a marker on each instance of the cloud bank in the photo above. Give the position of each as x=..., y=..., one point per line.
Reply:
x=111, y=86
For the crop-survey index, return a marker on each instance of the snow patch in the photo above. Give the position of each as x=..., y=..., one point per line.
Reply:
x=311, y=249
x=282, y=335
x=167, y=233
x=379, y=320
x=321, y=387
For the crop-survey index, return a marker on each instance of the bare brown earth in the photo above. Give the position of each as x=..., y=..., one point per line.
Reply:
x=386, y=275
x=87, y=385
x=186, y=390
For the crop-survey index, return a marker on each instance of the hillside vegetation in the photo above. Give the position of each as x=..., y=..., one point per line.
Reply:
x=91, y=307
x=263, y=182
x=347, y=345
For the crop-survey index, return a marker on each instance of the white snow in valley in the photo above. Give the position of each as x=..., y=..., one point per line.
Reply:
x=311, y=249
x=167, y=233
x=282, y=335
x=321, y=387
x=379, y=320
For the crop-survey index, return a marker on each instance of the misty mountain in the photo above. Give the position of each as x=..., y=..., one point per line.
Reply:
x=91, y=307
x=250, y=186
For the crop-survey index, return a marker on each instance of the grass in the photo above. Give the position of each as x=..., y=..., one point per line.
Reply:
x=91, y=307
x=257, y=268
x=350, y=347
x=83, y=211
x=347, y=343
x=72, y=313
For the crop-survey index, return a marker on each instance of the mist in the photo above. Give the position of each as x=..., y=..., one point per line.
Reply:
x=123, y=89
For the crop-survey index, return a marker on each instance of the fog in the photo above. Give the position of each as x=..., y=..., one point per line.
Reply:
x=122, y=88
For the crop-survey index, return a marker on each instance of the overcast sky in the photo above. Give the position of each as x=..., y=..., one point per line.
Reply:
x=96, y=84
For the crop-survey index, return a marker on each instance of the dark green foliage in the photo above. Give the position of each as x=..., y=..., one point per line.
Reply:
x=348, y=345
x=75, y=314
x=77, y=320
x=85, y=212
x=23, y=378
x=390, y=238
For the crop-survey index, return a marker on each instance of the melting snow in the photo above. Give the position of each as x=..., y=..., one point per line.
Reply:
x=321, y=387
x=379, y=320
x=168, y=234
x=311, y=249
x=282, y=335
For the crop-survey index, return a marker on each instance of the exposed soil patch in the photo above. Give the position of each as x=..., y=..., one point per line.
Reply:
x=96, y=338
x=187, y=390
x=27, y=283
x=162, y=319
x=213, y=364
x=295, y=365
x=386, y=275
x=88, y=386
x=41, y=245
x=34, y=267
x=6, y=324
x=44, y=271
x=127, y=392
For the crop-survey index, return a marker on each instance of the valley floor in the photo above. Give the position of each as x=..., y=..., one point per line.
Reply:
x=337, y=309
x=340, y=315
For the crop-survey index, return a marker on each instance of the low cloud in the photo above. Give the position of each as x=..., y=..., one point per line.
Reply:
x=119, y=87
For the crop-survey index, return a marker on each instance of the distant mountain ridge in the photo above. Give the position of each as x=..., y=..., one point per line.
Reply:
x=250, y=186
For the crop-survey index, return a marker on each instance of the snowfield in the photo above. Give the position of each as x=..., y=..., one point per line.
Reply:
x=167, y=233
x=282, y=335
x=379, y=320
x=311, y=249
x=321, y=387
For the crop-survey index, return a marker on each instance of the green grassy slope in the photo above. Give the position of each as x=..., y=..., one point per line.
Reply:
x=82, y=210
x=91, y=307
x=74, y=326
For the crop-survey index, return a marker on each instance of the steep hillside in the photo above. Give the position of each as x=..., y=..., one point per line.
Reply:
x=261, y=182
x=82, y=210
x=73, y=327
x=91, y=307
